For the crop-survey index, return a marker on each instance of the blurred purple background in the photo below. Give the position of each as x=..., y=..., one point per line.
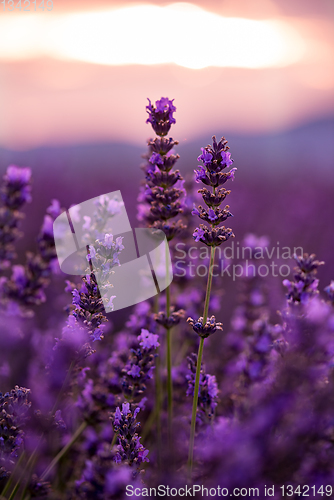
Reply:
x=81, y=128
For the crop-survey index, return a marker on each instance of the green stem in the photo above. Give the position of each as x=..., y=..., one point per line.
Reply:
x=199, y=365
x=169, y=382
x=64, y=450
x=158, y=404
x=158, y=390
x=169, y=358
x=28, y=467
x=208, y=286
x=13, y=493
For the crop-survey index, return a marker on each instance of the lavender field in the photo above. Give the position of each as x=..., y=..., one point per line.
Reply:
x=220, y=385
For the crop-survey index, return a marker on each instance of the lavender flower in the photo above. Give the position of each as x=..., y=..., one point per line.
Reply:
x=284, y=432
x=86, y=322
x=101, y=389
x=141, y=318
x=330, y=291
x=212, y=178
x=256, y=355
x=163, y=193
x=207, y=393
x=161, y=115
x=164, y=188
x=170, y=321
x=264, y=419
x=38, y=488
x=14, y=412
x=305, y=285
x=206, y=329
x=96, y=399
x=99, y=223
x=212, y=216
x=140, y=365
x=104, y=256
x=130, y=450
x=88, y=312
x=14, y=194
x=212, y=237
x=101, y=479
x=215, y=159
x=148, y=340
x=27, y=283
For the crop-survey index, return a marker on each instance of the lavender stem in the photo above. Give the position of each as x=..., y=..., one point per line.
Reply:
x=169, y=357
x=169, y=368
x=158, y=391
x=199, y=364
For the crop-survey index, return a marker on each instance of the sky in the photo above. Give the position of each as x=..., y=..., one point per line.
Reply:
x=81, y=72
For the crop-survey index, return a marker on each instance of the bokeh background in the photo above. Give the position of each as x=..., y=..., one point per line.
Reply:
x=74, y=83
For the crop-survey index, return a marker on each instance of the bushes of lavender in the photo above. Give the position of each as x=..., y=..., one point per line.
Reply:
x=94, y=409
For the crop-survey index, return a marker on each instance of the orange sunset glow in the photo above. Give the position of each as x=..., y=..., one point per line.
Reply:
x=78, y=75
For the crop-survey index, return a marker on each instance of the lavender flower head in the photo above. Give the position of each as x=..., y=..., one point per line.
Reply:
x=161, y=115
x=16, y=190
x=14, y=408
x=215, y=159
x=305, y=284
x=85, y=323
x=88, y=308
x=207, y=329
x=164, y=187
x=207, y=391
x=130, y=450
x=140, y=365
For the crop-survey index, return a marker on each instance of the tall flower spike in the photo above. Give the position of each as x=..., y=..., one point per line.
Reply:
x=162, y=196
x=89, y=301
x=140, y=365
x=208, y=390
x=164, y=187
x=14, y=193
x=104, y=257
x=130, y=450
x=215, y=159
x=85, y=323
x=14, y=411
